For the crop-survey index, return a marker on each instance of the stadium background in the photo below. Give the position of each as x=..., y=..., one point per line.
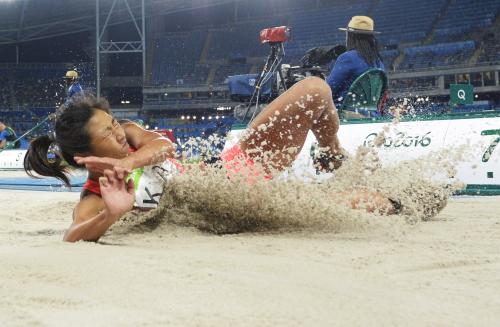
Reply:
x=192, y=46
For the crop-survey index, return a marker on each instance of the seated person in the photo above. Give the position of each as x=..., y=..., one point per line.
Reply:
x=7, y=136
x=361, y=55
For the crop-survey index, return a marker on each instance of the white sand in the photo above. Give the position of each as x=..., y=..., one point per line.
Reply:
x=440, y=273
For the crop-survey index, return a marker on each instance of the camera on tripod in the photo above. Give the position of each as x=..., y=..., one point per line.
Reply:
x=276, y=77
x=311, y=64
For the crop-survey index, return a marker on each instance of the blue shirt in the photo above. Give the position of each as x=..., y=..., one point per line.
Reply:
x=3, y=135
x=349, y=66
x=75, y=88
x=7, y=134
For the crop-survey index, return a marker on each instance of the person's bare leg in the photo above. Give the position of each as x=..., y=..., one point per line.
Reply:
x=278, y=133
x=366, y=199
x=284, y=125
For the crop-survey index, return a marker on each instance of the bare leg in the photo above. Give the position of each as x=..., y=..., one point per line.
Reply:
x=284, y=125
x=363, y=198
x=278, y=133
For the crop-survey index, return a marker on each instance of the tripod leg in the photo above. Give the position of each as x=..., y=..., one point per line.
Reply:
x=256, y=91
x=275, y=55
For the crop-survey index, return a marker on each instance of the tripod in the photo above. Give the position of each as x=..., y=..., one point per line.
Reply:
x=273, y=64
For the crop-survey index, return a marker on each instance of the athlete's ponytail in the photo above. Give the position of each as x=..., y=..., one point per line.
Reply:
x=51, y=155
x=40, y=160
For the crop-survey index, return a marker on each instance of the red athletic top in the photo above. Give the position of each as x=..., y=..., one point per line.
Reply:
x=94, y=187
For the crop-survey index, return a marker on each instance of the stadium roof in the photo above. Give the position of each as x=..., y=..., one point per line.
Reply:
x=28, y=20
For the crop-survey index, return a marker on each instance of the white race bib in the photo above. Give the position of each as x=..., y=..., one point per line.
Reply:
x=149, y=182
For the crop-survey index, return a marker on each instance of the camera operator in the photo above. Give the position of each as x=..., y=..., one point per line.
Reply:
x=361, y=55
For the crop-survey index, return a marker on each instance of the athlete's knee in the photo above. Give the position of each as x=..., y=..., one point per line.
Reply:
x=318, y=87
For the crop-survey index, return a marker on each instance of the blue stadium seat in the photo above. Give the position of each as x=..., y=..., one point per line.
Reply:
x=438, y=55
x=463, y=16
x=405, y=21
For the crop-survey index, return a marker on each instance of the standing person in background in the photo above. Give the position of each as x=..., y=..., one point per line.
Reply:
x=72, y=84
x=7, y=138
x=362, y=54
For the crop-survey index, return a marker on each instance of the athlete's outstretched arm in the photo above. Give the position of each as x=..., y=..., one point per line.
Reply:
x=94, y=215
x=151, y=148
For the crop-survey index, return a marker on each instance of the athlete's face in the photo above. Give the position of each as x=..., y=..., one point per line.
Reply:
x=107, y=136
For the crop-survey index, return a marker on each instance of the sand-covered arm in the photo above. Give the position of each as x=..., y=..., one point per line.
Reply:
x=152, y=148
x=91, y=229
x=94, y=215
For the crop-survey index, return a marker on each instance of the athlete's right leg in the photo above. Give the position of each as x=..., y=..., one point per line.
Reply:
x=281, y=129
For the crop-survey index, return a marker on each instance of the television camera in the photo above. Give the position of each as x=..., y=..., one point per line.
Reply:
x=276, y=77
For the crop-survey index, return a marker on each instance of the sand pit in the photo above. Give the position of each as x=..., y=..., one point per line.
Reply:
x=442, y=272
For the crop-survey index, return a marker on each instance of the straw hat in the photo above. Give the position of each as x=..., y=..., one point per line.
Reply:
x=360, y=24
x=71, y=74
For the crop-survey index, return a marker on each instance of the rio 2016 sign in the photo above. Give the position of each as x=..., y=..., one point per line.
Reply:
x=401, y=139
x=414, y=140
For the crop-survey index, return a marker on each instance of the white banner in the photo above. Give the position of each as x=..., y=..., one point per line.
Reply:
x=411, y=140
x=12, y=159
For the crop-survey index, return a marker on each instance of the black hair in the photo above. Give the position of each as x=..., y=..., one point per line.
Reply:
x=70, y=81
x=71, y=138
x=366, y=45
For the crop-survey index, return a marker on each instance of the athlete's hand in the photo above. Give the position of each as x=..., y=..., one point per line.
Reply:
x=100, y=164
x=118, y=195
